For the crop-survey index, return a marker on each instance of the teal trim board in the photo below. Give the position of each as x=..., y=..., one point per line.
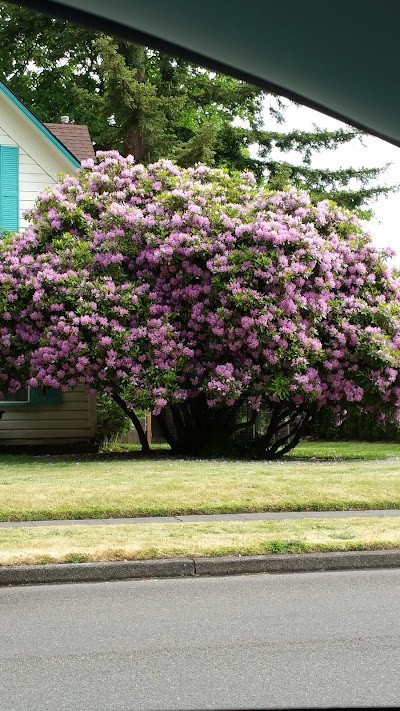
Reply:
x=31, y=396
x=47, y=396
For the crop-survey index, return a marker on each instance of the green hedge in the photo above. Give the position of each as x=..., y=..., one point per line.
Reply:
x=357, y=426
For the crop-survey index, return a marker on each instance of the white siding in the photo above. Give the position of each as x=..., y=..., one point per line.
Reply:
x=73, y=420
x=32, y=177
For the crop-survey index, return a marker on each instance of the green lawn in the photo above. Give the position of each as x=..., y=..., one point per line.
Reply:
x=76, y=544
x=325, y=476
x=347, y=450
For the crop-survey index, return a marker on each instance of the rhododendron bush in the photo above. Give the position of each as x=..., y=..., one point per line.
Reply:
x=223, y=307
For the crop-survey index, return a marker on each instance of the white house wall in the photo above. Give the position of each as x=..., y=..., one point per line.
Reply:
x=32, y=177
x=74, y=420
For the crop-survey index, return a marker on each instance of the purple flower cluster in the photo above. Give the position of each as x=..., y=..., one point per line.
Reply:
x=161, y=283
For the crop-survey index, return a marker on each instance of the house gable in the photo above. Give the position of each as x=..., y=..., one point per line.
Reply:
x=31, y=126
x=41, y=158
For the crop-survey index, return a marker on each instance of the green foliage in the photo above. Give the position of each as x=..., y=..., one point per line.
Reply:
x=111, y=420
x=143, y=102
x=358, y=426
x=332, y=183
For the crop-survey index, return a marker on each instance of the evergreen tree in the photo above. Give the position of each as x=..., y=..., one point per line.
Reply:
x=143, y=102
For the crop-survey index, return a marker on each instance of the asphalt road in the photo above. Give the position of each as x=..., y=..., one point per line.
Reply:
x=261, y=641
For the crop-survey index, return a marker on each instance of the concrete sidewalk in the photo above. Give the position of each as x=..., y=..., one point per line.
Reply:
x=261, y=516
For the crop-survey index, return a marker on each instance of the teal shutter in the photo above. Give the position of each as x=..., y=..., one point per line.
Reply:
x=48, y=396
x=9, y=188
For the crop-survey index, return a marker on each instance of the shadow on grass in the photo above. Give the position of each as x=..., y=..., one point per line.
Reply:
x=163, y=455
x=163, y=452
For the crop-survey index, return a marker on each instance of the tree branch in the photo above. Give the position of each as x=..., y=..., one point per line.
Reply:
x=135, y=420
x=294, y=437
x=165, y=431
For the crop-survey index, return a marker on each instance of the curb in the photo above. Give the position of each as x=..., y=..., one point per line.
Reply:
x=197, y=567
x=95, y=572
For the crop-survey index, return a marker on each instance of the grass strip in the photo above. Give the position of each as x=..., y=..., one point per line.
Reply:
x=74, y=544
x=53, y=488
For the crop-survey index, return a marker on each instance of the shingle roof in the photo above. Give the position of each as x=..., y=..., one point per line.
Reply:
x=74, y=137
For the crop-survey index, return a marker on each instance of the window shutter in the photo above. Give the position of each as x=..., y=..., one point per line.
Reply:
x=9, y=188
x=48, y=396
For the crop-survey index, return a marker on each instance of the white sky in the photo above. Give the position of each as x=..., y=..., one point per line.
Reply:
x=385, y=226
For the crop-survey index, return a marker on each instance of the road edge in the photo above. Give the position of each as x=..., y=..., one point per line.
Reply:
x=197, y=567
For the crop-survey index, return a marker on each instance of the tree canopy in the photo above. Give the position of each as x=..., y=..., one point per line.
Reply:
x=143, y=102
x=233, y=311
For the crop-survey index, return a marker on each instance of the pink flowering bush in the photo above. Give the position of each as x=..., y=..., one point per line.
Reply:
x=222, y=306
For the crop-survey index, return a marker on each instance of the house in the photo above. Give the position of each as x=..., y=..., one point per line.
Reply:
x=32, y=154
